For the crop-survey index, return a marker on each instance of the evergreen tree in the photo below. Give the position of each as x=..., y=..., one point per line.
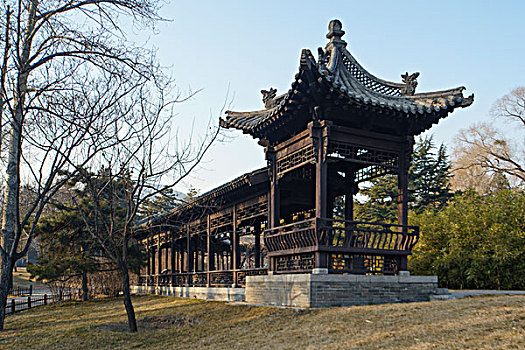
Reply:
x=429, y=176
x=428, y=183
x=381, y=203
x=68, y=248
x=161, y=203
x=67, y=251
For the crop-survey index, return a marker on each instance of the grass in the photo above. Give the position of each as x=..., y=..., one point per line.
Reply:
x=489, y=322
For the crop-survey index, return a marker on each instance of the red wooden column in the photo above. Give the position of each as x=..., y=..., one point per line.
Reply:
x=319, y=133
x=274, y=205
x=236, y=256
x=257, y=234
x=173, y=259
x=159, y=255
x=203, y=258
x=210, y=266
x=152, y=257
x=148, y=253
x=181, y=258
x=349, y=196
x=402, y=194
x=274, y=214
x=402, y=188
x=167, y=258
x=189, y=253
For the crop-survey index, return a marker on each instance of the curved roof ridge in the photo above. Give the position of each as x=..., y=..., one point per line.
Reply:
x=337, y=70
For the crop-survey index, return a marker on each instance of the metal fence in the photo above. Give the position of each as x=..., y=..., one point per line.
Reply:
x=15, y=305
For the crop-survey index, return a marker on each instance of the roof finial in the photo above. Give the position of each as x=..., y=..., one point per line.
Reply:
x=410, y=81
x=335, y=32
x=269, y=98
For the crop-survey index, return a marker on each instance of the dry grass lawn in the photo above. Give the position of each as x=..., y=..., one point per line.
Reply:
x=490, y=322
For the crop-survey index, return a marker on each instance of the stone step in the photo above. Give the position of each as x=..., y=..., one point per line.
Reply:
x=438, y=297
x=443, y=291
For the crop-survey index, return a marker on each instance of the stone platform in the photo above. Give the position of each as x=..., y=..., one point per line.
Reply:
x=205, y=293
x=312, y=290
x=324, y=290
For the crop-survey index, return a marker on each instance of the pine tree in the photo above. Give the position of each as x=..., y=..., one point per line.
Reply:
x=381, y=203
x=429, y=176
x=429, y=187
x=67, y=249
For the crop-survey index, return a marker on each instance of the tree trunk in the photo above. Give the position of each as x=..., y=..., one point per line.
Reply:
x=85, y=289
x=132, y=321
x=11, y=229
x=6, y=276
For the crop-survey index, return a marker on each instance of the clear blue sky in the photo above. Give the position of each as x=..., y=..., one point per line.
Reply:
x=253, y=45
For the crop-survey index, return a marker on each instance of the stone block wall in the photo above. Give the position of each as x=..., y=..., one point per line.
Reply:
x=323, y=290
x=312, y=290
x=205, y=293
x=279, y=290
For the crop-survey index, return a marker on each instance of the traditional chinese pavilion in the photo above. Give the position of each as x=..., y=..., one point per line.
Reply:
x=336, y=127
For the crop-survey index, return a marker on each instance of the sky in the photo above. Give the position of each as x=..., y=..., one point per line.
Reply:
x=230, y=50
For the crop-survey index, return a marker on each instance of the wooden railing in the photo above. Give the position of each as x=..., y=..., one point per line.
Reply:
x=292, y=236
x=340, y=246
x=341, y=236
x=224, y=278
x=367, y=237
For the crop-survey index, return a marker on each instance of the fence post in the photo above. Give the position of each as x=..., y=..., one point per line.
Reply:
x=13, y=306
x=29, y=302
x=30, y=289
x=45, y=299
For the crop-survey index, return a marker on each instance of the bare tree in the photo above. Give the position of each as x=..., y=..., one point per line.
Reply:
x=482, y=150
x=65, y=68
x=511, y=106
x=131, y=173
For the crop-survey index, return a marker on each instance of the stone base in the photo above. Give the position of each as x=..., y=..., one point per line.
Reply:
x=205, y=293
x=322, y=290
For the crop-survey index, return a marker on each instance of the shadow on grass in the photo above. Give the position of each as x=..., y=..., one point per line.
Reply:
x=48, y=314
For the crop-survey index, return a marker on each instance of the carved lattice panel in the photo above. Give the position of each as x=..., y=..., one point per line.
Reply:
x=296, y=159
x=363, y=264
x=221, y=220
x=256, y=209
x=198, y=227
x=367, y=81
x=363, y=155
x=299, y=262
x=371, y=172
